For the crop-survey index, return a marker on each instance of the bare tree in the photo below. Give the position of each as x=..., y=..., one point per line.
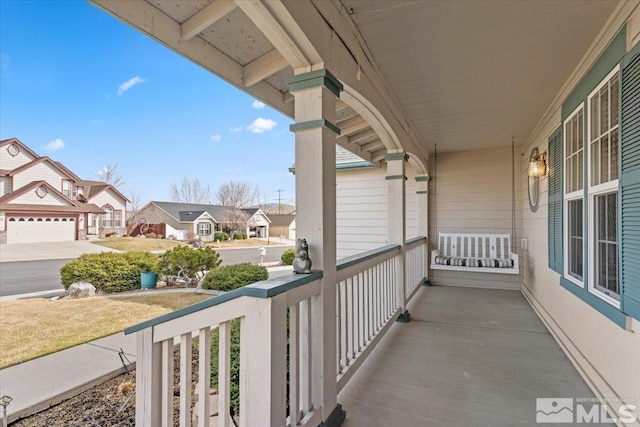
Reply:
x=135, y=204
x=110, y=175
x=238, y=194
x=234, y=220
x=190, y=190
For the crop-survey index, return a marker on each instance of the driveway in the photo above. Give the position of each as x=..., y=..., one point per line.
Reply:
x=49, y=250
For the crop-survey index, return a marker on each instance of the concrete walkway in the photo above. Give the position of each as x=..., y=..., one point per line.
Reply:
x=37, y=384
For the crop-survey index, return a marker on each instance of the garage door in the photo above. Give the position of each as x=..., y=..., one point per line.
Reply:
x=25, y=229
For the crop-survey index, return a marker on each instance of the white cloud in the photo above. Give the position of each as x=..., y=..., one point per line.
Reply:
x=258, y=105
x=235, y=129
x=129, y=84
x=216, y=138
x=261, y=125
x=54, y=145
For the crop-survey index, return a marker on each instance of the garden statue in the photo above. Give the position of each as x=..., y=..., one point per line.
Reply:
x=302, y=262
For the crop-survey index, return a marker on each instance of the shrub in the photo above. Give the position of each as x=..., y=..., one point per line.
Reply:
x=288, y=256
x=235, y=276
x=220, y=235
x=239, y=235
x=112, y=234
x=187, y=263
x=235, y=363
x=109, y=272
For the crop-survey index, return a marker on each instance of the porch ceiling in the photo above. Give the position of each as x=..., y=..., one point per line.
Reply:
x=468, y=74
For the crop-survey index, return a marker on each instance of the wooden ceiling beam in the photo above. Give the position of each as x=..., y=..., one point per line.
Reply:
x=263, y=67
x=206, y=17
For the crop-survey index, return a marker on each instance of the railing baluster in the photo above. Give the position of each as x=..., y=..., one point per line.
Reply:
x=167, y=383
x=339, y=320
x=224, y=374
x=350, y=329
x=305, y=355
x=185, y=379
x=343, y=332
x=294, y=365
x=204, y=373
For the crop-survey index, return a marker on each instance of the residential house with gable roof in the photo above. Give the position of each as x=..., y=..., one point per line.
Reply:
x=43, y=201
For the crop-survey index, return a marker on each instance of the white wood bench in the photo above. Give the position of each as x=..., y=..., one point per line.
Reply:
x=456, y=251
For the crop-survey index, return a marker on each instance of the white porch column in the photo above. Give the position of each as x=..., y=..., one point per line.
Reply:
x=315, y=95
x=422, y=192
x=397, y=230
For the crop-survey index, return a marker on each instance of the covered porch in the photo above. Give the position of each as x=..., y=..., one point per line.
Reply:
x=444, y=103
x=469, y=356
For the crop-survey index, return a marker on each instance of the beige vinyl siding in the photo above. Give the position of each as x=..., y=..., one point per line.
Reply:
x=40, y=172
x=109, y=197
x=362, y=212
x=606, y=354
x=9, y=162
x=5, y=185
x=31, y=198
x=471, y=193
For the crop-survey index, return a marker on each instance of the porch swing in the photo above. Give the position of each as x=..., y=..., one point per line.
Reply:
x=477, y=252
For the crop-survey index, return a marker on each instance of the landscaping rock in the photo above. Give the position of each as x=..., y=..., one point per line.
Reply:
x=81, y=289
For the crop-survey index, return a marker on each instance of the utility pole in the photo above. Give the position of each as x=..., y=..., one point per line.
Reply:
x=279, y=191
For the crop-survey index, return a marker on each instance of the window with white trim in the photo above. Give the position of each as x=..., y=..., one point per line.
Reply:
x=107, y=217
x=204, y=229
x=604, y=120
x=66, y=188
x=117, y=218
x=574, y=195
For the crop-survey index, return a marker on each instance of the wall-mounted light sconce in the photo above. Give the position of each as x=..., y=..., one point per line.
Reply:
x=537, y=163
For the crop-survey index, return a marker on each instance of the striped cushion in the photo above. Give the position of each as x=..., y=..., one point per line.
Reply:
x=475, y=262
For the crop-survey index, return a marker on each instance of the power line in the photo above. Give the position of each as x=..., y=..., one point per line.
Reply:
x=279, y=191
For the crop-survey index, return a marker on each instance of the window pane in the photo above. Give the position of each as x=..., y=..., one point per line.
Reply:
x=568, y=136
x=604, y=109
x=612, y=272
x=580, y=164
x=612, y=216
x=568, y=176
x=615, y=98
x=595, y=113
x=575, y=239
x=604, y=158
x=614, y=155
x=580, y=131
x=601, y=218
x=595, y=163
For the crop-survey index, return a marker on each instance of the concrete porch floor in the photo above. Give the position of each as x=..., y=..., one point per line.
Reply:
x=469, y=357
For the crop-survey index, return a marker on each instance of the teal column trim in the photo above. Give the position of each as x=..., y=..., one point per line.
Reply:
x=390, y=177
x=422, y=192
x=312, y=124
x=423, y=178
x=315, y=79
x=396, y=156
x=336, y=418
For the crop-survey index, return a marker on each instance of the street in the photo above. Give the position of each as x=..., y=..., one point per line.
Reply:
x=38, y=276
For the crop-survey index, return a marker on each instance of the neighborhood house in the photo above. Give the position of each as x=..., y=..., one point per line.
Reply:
x=43, y=201
x=184, y=221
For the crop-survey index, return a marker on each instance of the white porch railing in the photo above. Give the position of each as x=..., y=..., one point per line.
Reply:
x=415, y=258
x=276, y=326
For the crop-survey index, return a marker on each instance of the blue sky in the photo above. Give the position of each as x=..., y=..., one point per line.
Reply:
x=85, y=89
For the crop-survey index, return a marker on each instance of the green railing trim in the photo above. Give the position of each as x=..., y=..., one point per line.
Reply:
x=423, y=178
x=415, y=240
x=365, y=256
x=355, y=165
x=263, y=289
x=422, y=192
